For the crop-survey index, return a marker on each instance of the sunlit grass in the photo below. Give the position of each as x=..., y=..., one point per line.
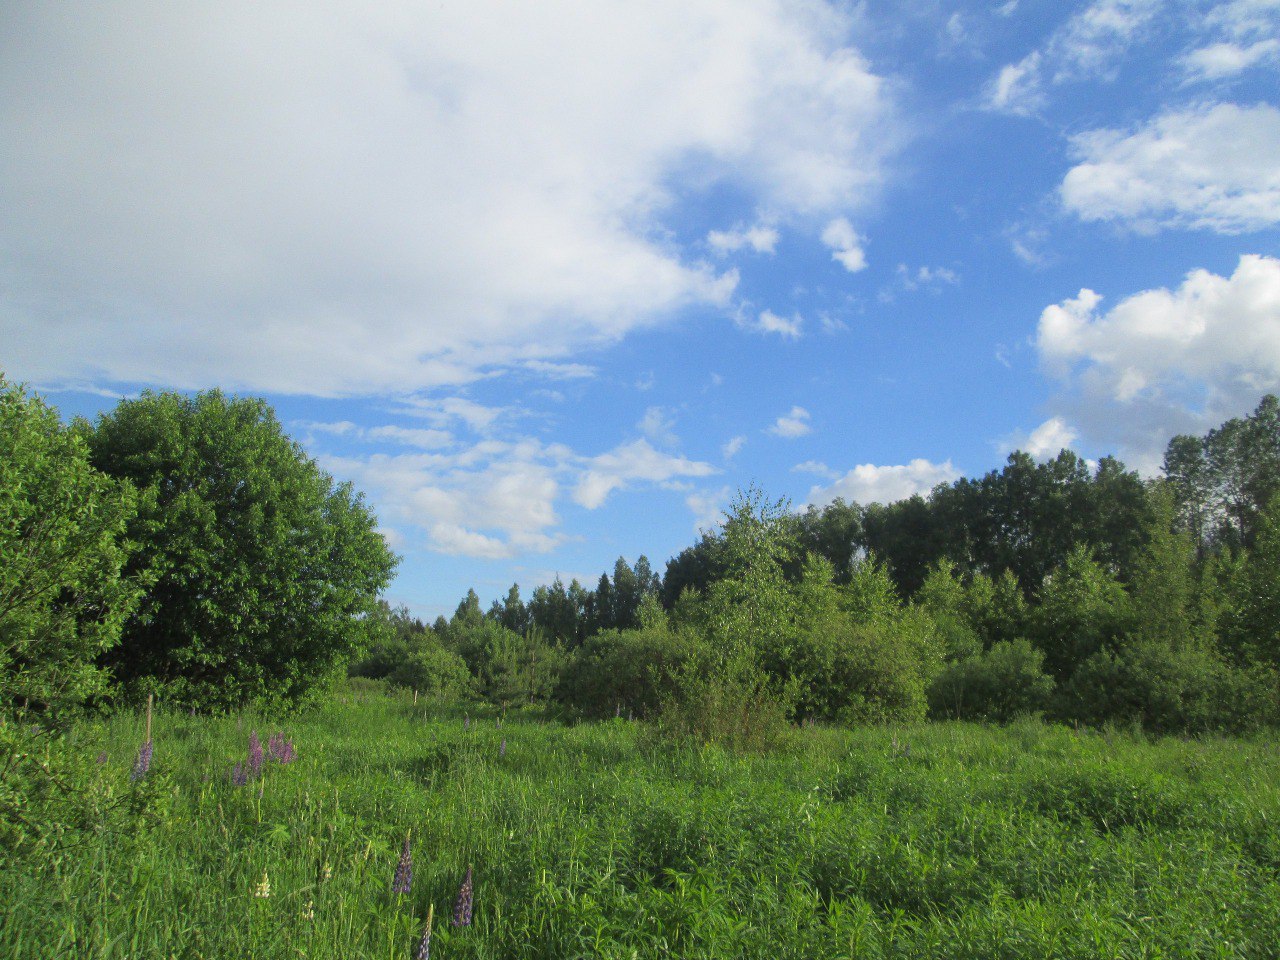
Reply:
x=603, y=841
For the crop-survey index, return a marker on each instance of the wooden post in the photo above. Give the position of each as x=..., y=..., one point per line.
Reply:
x=150, y=697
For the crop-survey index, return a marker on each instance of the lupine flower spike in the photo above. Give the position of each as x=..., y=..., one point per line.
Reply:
x=466, y=722
x=424, y=945
x=255, y=755
x=263, y=889
x=281, y=750
x=502, y=748
x=462, y=908
x=143, y=763
x=239, y=776
x=404, y=869
x=102, y=758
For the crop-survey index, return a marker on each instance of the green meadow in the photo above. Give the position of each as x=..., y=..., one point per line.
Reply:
x=946, y=840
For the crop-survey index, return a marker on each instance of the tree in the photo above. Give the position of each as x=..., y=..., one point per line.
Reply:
x=63, y=599
x=64, y=593
x=263, y=566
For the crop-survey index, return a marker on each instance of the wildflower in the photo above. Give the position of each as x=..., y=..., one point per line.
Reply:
x=424, y=945
x=308, y=912
x=143, y=763
x=102, y=758
x=404, y=869
x=462, y=908
x=502, y=748
x=326, y=871
x=255, y=755
x=239, y=776
x=281, y=750
x=466, y=722
x=263, y=889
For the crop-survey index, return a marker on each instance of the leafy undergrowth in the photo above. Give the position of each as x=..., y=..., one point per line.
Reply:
x=946, y=841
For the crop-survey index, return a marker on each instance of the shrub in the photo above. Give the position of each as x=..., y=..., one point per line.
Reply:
x=999, y=684
x=631, y=670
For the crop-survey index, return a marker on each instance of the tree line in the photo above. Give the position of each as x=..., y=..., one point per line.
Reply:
x=1078, y=591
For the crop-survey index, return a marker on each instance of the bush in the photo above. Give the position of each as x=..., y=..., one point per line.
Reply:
x=264, y=567
x=434, y=672
x=1000, y=684
x=1169, y=690
x=631, y=671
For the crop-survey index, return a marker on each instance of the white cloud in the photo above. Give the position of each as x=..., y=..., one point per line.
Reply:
x=761, y=238
x=1219, y=60
x=337, y=199
x=730, y=448
x=1166, y=361
x=496, y=499
x=1088, y=46
x=412, y=437
x=448, y=411
x=1016, y=88
x=816, y=467
x=1046, y=440
x=637, y=461
x=770, y=322
x=658, y=426
x=846, y=245
x=794, y=424
x=1210, y=167
x=868, y=483
x=708, y=508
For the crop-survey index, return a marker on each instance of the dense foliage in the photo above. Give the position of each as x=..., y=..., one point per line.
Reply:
x=1059, y=588
x=262, y=566
x=63, y=599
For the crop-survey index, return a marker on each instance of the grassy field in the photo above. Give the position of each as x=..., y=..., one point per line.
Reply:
x=946, y=841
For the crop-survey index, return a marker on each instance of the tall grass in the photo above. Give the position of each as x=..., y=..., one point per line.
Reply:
x=946, y=841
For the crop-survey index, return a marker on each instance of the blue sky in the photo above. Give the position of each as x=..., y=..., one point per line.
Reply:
x=550, y=282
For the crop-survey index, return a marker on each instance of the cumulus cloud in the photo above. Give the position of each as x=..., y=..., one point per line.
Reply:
x=730, y=448
x=637, y=461
x=1046, y=440
x=770, y=322
x=868, y=483
x=496, y=499
x=794, y=424
x=760, y=238
x=336, y=199
x=1210, y=167
x=1218, y=60
x=845, y=244
x=1166, y=361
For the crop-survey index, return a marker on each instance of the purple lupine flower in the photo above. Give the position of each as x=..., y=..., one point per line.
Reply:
x=404, y=870
x=466, y=897
x=281, y=750
x=102, y=758
x=255, y=755
x=502, y=748
x=239, y=776
x=466, y=722
x=143, y=763
x=424, y=945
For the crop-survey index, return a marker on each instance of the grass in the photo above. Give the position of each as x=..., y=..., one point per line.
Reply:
x=942, y=841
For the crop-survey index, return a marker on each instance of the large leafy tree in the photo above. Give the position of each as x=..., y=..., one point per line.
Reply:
x=62, y=551
x=263, y=566
x=62, y=601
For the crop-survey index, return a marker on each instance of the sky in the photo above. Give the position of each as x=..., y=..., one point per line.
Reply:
x=551, y=282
